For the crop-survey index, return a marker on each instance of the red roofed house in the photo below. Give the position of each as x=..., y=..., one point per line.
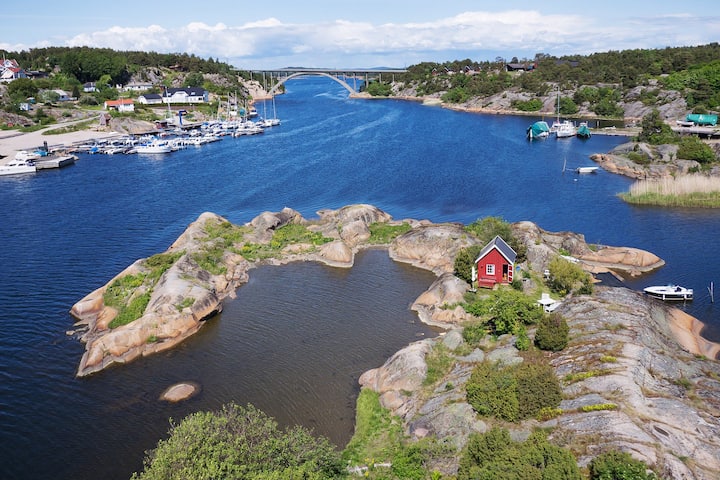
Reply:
x=10, y=70
x=495, y=264
x=121, y=105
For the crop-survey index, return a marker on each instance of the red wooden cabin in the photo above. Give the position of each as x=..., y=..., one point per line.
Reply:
x=495, y=264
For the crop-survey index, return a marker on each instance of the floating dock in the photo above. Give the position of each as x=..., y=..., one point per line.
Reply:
x=55, y=162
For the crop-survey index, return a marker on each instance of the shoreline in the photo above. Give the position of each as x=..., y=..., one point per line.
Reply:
x=12, y=141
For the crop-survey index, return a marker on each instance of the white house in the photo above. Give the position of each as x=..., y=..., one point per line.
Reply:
x=62, y=95
x=185, y=95
x=10, y=70
x=121, y=105
x=89, y=87
x=150, y=99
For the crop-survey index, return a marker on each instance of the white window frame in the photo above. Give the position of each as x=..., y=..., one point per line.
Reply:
x=490, y=269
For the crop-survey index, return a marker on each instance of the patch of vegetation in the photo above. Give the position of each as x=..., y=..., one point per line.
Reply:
x=132, y=311
x=75, y=127
x=240, y=442
x=598, y=407
x=532, y=105
x=578, y=377
x=494, y=455
x=692, y=148
x=282, y=237
x=377, y=433
x=473, y=333
x=615, y=464
x=125, y=293
x=694, y=190
x=439, y=362
x=187, y=302
x=513, y=393
x=161, y=262
x=505, y=311
x=548, y=413
x=567, y=277
x=655, y=131
x=379, y=89
x=383, y=233
x=552, y=333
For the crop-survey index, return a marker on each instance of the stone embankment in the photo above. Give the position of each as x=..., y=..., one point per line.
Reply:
x=653, y=364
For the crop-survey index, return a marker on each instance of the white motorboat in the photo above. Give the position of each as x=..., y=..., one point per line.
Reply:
x=669, y=292
x=155, y=146
x=18, y=166
x=563, y=129
x=586, y=169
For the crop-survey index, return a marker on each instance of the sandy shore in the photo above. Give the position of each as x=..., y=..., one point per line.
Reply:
x=12, y=141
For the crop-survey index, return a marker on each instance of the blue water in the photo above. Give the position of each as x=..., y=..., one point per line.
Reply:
x=66, y=232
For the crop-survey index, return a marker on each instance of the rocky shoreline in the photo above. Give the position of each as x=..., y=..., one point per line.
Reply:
x=657, y=368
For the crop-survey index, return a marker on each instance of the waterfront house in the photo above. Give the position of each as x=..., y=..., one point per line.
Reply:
x=11, y=70
x=150, y=99
x=495, y=264
x=121, y=105
x=185, y=95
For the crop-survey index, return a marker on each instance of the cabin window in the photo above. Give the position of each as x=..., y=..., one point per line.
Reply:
x=490, y=269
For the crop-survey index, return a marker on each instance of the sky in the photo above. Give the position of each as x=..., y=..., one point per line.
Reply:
x=341, y=34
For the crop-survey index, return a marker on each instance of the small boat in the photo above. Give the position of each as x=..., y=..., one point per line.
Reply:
x=583, y=131
x=538, y=130
x=155, y=146
x=669, y=292
x=18, y=166
x=586, y=169
x=563, y=129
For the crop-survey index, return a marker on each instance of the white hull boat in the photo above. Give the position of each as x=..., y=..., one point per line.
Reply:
x=587, y=169
x=16, y=167
x=154, y=147
x=669, y=292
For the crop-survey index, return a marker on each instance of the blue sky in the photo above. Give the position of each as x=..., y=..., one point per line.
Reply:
x=361, y=33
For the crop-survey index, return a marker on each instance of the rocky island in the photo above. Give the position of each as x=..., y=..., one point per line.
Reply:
x=643, y=357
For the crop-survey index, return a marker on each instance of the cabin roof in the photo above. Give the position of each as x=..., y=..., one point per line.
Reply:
x=498, y=243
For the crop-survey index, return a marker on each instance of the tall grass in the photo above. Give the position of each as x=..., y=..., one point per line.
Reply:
x=685, y=191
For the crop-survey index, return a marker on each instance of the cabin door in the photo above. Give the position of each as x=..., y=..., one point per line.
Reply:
x=507, y=273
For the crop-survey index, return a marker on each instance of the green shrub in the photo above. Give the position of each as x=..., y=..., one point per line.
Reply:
x=618, y=465
x=239, y=442
x=532, y=105
x=494, y=455
x=439, y=362
x=599, y=406
x=566, y=277
x=514, y=392
x=522, y=342
x=692, y=148
x=474, y=333
x=505, y=310
x=464, y=261
x=552, y=333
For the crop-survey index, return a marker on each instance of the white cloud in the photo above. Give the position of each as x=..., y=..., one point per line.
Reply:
x=269, y=43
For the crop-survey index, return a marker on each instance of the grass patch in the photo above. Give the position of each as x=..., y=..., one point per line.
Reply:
x=187, y=302
x=598, y=407
x=122, y=293
x=685, y=191
x=383, y=233
x=377, y=433
x=580, y=376
x=76, y=127
x=282, y=237
x=439, y=362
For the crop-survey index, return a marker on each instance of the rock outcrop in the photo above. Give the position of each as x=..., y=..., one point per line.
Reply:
x=623, y=352
x=662, y=161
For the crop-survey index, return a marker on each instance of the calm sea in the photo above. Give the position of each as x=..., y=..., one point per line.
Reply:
x=297, y=337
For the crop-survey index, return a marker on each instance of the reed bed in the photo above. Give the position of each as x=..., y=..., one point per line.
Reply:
x=686, y=191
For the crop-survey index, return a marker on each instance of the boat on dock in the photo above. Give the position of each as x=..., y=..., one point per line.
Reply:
x=669, y=292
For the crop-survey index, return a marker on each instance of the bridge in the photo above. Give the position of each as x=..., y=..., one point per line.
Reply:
x=341, y=76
